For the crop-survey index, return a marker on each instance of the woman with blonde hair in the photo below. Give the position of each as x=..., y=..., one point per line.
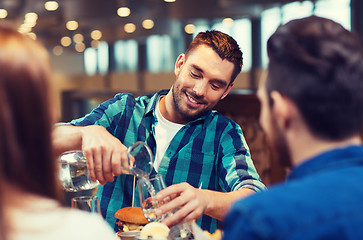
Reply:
x=29, y=193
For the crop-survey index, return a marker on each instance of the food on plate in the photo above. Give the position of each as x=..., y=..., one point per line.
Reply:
x=155, y=230
x=130, y=219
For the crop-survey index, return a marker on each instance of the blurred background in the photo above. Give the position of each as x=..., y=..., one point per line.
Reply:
x=101, y=47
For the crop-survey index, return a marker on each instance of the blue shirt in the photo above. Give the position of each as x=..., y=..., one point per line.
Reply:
x=210, y=150
x=322, y=199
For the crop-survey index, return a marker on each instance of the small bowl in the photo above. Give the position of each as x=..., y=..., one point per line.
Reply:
x=133, y=235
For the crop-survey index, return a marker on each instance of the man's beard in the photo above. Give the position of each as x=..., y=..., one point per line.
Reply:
x=278, y=145
x=178, y=97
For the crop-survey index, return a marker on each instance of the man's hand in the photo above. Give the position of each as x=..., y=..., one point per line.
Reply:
x=105, y=154
x=190, y=202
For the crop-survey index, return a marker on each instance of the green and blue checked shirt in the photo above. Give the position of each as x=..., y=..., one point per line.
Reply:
x=210, y=150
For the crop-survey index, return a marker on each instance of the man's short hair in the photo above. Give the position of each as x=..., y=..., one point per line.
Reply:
x=224, y=45
x=319, y=65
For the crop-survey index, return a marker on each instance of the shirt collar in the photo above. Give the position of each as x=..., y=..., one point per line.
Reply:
x=154, y=99
x=326, y=161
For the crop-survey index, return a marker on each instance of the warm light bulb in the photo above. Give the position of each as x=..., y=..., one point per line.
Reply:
x=123, y=11
x=130, y=27
x=51, y=5
x=24, y=28
x=32, y=35
x=96, y=34
x=78, y=38
x=31, y=17
x=148, y=24
x=72, y=25
x=57, y=50
x=80, y=47
x=95, y=43
x=66, y=41
x=228, y=22
x=189, y=28
x=3, y=13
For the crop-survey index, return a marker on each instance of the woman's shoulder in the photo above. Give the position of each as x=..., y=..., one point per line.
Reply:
x=42, y=218
x=86, y=225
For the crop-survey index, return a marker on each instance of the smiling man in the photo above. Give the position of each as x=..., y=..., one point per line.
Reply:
x=202, y=155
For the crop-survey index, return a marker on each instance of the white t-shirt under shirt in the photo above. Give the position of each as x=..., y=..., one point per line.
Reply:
x=164, y=133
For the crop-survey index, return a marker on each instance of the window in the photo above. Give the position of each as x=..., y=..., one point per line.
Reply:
x=270, y=20
x=103, y=57
x=126, y=55
x=90, y=61
x=296, y=10
x=159, y=54
x=337, y=10
x=240, y=30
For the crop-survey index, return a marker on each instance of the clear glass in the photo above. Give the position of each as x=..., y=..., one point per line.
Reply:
x=74, y=172
x=87, y=203
x=148, y=188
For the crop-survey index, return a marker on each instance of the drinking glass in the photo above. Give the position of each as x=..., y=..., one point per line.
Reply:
x=74, y=172
x=148, y=188
x=87, y=203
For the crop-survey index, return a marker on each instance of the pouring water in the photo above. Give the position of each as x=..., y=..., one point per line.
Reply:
x=74, y=172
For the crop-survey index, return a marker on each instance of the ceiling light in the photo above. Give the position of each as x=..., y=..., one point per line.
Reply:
x=189, y=28
x=169, y=0
x=3, y=13
x=51, y=5
x=78, y=38
x=66, y=41
x=31, y=17
x=32, y=35
x=30, y=24
x=57, y=50
x=95, y=43
x=148, y=24
x=72, y=25
x=80, y=47
x=123, y=11
x=24, y=29
x=228, y=22
x=130, y=27
x=96, y=34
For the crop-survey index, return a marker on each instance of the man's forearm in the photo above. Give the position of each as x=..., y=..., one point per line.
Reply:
x=220, y=202
x=65, y=138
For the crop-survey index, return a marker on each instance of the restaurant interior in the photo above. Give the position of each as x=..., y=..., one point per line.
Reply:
x=101, y=47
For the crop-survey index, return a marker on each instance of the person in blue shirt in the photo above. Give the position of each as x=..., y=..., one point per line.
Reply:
x=202, y=155
x=312, y=114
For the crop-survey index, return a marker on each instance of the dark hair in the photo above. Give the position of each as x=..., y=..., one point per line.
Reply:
x=319, y=65
x=224, y=45
x=26, y=158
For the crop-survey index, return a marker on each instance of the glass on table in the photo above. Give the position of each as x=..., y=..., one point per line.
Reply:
x=87, y=203
x=148, y=188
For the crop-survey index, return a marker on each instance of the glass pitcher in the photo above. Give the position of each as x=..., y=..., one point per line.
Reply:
x=74, y=172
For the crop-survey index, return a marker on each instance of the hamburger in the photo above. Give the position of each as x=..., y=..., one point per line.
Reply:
x=130, y=219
